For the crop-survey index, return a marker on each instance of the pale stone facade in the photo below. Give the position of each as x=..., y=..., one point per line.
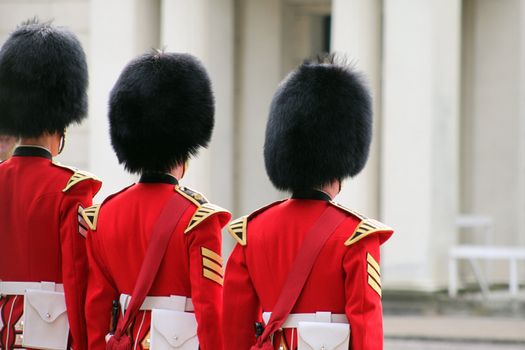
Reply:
x=447, y=77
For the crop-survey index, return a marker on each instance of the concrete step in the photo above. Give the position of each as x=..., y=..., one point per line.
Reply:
x=472, y=303
x=456, y=328
x=414, y=344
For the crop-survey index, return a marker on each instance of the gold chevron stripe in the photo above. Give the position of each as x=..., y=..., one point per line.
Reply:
x=211, y=254
x=373, y=273
x=370, y=259
x=212, y=266
x=212, y=276
x=374, y=285
x=82, y=223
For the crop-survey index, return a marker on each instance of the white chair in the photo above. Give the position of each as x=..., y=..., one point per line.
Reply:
x=472, y=252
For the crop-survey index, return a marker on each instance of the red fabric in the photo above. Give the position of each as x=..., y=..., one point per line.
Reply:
x=40, y=238
x=119, y=342
x=256, y=273
x=116, y=251
x=300, y=270
x=162, y=230
x=11, y=308
x=262, y=346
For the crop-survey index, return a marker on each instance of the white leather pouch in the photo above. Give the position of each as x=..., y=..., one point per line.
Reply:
x=45, y=320
x=173, y=330
x=321, y=335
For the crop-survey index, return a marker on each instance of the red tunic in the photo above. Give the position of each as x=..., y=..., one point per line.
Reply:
x=117, y=246
x=340, y=283
x=39, y=235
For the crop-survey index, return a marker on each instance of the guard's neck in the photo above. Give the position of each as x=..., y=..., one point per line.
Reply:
x=332, y=189
x=51, y=142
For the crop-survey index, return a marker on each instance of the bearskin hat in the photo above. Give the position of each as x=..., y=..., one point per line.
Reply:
x=43, y=80
x=161, y=111
x=320, y=126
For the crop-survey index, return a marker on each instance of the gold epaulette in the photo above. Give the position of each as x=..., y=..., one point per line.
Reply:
x=203, y=212
x=204, y=208
x=365, y=228
x=193, y=196
x=90, y=216
x=348, y=210
x=77, y=177
x=238, y=227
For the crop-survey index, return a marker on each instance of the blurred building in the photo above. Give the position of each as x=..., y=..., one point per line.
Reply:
x=448, y=80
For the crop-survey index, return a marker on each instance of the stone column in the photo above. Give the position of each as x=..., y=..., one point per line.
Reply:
x=259, y=72
x=205, y=29
x=419, y=172
x=120, y=30
x=356, y=33
x=520, y=234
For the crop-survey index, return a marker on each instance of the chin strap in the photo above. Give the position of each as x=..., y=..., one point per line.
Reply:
x=185, y=167
x=62, y=142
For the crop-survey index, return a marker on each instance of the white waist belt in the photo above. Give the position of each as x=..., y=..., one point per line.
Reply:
x=293, y=319
x=173, y=302
x=19, y=288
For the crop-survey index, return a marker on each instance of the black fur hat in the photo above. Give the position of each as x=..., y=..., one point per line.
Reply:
x=319, y=128
x=43, y=80
x=161, y=111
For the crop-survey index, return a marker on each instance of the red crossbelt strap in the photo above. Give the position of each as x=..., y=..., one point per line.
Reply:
x=162, y=231
x=312, y=244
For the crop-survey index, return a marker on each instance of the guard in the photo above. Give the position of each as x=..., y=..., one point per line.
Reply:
x=145, y=292
x=306, y=270
x=43, y=81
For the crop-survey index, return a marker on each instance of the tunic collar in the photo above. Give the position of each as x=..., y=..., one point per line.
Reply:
x=158, y=178
x=32, y=151
x=311, y=194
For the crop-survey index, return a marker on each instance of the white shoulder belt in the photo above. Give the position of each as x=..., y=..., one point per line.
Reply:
x=293, y=319
x=19, y=288
x=172, y=302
